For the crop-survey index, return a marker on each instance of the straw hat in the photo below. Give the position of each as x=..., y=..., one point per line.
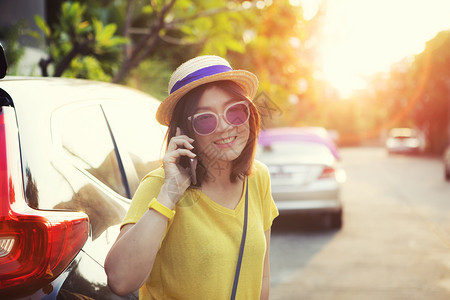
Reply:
x=198, y=71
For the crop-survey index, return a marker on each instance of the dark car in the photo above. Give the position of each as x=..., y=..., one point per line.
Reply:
x=446, y=159
x=72, y=153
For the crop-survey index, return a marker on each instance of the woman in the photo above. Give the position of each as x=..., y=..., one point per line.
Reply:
x=202, y=234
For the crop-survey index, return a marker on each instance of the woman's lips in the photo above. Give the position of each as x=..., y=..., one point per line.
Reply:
x=226, y=142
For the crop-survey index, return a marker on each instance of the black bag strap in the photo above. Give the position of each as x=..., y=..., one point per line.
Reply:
x=241, y=250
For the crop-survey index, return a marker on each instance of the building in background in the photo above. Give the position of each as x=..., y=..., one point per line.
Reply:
x=18, y=15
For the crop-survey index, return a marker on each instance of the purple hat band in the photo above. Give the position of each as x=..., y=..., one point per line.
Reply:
x=199, y=74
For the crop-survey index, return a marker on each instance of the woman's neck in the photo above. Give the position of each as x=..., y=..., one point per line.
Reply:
x=218, y=172
x=219, y=187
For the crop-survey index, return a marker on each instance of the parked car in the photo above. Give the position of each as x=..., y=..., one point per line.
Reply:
x=403, y=141
x=72, y=153
x=312, y=133
x=306, y=175
x=446, y=160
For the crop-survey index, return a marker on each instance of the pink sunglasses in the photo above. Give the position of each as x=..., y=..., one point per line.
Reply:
x=206, y=123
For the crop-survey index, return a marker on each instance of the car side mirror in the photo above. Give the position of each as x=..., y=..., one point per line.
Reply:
x=3, y=65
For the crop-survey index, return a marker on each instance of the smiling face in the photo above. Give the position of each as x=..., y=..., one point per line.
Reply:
x=226, y=142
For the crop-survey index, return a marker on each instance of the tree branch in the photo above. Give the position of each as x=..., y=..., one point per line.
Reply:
x=178, y=41
x=145, y=45
x=202, y=14
x=127, y=32
x=43, y=65
x=77, y=48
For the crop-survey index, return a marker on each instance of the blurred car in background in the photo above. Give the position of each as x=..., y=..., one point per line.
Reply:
x=313, y=133
x=72, y=153
x=446, y=160
x=403, y=141
x=305, y=171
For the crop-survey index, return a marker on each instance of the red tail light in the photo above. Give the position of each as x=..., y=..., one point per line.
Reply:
x=35, y=246
x=327, y=172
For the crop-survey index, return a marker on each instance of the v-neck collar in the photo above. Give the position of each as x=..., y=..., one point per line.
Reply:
x=222, y=208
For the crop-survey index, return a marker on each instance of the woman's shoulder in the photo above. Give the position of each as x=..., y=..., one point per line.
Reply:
x=260, y=169
x=157, y=173
x=150, y=185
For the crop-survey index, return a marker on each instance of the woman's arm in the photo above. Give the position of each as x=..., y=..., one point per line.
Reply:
x=131, y=258
x=265, y=288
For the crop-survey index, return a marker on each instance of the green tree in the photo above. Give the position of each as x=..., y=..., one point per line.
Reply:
x=416, y=93
x=431, y=85
x=280, y=48
x=390, y=98
x=79, y=47
x=177, y=30
x=160, y=33
x=270, y=38
x=9, y=36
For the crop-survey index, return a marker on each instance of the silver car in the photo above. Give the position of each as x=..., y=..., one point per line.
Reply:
x=403, y=141
x=305, y=175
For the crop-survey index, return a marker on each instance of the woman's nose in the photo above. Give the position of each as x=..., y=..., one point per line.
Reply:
x=223, y=125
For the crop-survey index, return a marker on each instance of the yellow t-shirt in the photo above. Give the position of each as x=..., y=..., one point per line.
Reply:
x=198, y=255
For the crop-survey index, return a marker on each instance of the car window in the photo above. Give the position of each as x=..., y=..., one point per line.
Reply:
x=402, y=133
x=294, y=148
x=137, y=133
x=86, y=138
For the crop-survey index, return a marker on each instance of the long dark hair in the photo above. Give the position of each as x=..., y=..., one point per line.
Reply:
x=187, y=106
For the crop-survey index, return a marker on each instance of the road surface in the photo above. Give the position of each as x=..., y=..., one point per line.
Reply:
x=394, y=244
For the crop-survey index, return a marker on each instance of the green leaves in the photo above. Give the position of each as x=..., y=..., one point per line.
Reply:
x=42, y=25
x=104, y=37
x=174, y=31
x=76, y=35
x=71, y=20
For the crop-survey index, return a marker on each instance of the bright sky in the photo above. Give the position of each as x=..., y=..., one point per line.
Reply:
x=362, y=37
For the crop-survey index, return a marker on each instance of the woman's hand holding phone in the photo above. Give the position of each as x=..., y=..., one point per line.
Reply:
x=177, y=177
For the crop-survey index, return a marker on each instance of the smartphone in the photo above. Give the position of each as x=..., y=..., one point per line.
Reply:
x=191, y=164
x=193, y=167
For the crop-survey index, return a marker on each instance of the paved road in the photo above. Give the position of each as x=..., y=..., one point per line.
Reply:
x=394, y=244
